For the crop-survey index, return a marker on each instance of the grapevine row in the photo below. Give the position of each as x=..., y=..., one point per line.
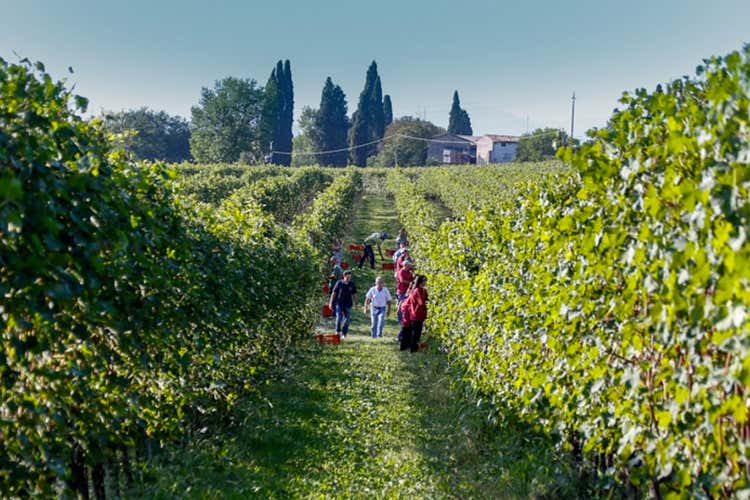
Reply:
x=284, y=195
x=130, y=316
x=611, y=308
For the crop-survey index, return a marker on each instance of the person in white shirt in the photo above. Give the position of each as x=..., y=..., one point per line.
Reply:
x=379, y=300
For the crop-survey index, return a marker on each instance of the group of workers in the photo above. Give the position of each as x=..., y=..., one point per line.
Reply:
x=411, y=294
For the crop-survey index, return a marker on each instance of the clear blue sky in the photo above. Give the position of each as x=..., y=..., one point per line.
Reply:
x=510, y=61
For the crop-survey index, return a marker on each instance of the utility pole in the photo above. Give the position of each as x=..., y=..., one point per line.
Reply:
x=572, y=117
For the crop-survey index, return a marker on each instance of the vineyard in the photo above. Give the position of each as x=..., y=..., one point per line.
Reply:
x=596, y=305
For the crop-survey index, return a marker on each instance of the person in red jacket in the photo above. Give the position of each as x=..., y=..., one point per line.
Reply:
x=417, y=310
x=404, y=277
x=404, y=317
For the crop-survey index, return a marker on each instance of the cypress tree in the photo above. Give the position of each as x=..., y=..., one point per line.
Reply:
x=458, y=121
x=454, y=118
x=378, y=114
x=387, y=110
x=277, y=116
x=287, y=114
x=269, y=117
x=368, y=123
x=466, y=123
x=331, y=125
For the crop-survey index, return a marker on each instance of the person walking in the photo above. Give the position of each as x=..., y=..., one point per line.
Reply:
x=342, y=299
x=417, y=310
x=400, y=261
x=403, y=282
x=379, y=299
x=336, y=250
x=373, y=239
x=336, y=273
x=404, y=335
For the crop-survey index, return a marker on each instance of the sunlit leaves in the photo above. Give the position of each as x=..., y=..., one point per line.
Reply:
x=622, y=292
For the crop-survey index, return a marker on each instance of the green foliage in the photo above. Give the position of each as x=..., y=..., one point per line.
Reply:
x=150, y=135
x=225, y=122
x=540, y=145
x=610, y=304
x=459, y=122
x=270, y=114
x=368, y=122
x=283, y=196
x=277, y=115
x=387, y=110
x=328, y=214
x=405, y=151
x=415, y=212
x=213, y=183
x=129, y=312
x=466, y=187
x=331, y=126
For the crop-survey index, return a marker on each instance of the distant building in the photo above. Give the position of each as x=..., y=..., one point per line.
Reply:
x=496, y=148
x=452, y=149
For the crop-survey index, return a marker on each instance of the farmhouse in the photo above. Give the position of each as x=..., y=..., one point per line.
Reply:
x=469, y=149
x=452, y=148
x=496, y=148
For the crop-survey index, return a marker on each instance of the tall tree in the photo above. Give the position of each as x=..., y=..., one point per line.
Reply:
x=226, y=120
x=287, y=114
x=387, y=110
x=331, y=125
x=150, y=135
x=459, y=122
x=270, y=115
x=278, y=114
x=378, y=113
x=368, y=122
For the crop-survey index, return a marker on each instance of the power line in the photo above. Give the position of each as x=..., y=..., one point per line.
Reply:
x=385, y=138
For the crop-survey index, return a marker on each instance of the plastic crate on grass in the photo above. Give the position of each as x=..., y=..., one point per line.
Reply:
x=356, y=248
x=327, y=311
x=328, y=338
x=356, y=257
x=344, y=265
x=389, y=265
x=326, y=289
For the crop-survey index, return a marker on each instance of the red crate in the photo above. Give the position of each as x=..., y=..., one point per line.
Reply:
x=327, y=311
x=390, y=253
x=356, y=257
x=326, y=289
x=344, y=265
x=328, y=338
x=389, y=265
x=356, y=248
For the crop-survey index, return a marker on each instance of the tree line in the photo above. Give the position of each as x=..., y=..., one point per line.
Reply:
x=237, y=120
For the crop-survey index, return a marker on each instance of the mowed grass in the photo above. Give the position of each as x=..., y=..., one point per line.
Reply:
x=364, y=420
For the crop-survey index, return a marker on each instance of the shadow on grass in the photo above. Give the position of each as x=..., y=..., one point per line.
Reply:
x=481, y=457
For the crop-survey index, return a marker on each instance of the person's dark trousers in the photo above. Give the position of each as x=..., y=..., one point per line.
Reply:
x=416, y=334
x=367, y=253
x=405, y=337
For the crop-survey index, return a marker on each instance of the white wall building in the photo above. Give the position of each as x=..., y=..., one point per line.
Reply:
x=496, y=148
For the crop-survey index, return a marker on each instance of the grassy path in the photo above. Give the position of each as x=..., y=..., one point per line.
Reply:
x=364, y=420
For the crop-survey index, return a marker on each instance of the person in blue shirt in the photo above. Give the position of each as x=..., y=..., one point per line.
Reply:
x=342, y=299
